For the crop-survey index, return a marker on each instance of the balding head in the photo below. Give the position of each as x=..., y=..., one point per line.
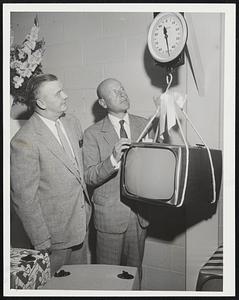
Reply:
x=105, y=86
x=112, y=96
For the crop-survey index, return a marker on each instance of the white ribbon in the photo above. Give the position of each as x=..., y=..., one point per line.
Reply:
x=167, y=110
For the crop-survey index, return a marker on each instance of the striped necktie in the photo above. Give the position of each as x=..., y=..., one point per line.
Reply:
x=64, y=141
x=123, y=133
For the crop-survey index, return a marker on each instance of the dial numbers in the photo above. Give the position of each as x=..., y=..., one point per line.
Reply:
x=174, y=36
x=167, y=36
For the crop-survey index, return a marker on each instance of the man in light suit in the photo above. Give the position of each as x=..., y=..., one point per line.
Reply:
x=47, y=184
x=120, y=224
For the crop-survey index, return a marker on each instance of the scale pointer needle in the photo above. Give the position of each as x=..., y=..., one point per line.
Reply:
x=166, y=38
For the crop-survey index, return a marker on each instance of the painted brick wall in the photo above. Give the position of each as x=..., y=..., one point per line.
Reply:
x=85, y=48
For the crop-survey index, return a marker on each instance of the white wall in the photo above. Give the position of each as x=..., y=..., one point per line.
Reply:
x=205, y=111
x=85, y=48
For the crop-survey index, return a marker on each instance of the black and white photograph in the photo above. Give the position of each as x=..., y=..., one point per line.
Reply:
x=119, y=149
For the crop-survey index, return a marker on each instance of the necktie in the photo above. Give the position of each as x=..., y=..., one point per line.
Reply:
x=64, y=141
x=123, y=133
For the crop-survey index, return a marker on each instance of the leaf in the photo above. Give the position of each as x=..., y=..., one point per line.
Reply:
x=36, y=22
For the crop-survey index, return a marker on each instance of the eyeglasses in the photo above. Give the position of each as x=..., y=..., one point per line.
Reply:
x=120, y=92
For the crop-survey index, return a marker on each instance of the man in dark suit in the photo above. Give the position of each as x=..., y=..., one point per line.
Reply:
x=47, y=184
x=120, y=225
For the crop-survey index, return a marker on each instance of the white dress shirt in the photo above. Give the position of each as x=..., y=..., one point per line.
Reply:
x=115, y=122
x=52, y=126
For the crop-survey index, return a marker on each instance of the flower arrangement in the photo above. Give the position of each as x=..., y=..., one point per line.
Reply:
x=25, y=62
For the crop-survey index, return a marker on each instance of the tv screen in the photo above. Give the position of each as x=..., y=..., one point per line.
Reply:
x=149, y=174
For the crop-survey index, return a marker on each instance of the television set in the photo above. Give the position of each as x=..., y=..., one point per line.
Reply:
x=163, y=174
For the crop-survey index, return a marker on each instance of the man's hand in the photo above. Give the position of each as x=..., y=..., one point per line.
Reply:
x=48, y=250
x=119, y=148
x=45, y=246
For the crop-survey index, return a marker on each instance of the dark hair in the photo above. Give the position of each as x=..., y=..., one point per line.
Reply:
x=34, y=84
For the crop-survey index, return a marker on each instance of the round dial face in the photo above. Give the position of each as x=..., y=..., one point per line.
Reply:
x=167, y=36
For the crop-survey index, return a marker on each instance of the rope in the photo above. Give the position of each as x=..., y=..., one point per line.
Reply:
x=209, y=155
x=187, y=162
x=148, y=125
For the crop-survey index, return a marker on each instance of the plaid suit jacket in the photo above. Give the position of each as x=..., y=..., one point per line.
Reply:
x=111, y=212
x=47, y=191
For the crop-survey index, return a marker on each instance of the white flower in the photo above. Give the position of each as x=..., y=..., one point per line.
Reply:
x=35, y=58
x=18, y=81
x=31, y=59
x=30, y=44
x=37, y=55
x=34, y=32
x=19, y=71
x=33, y=67
x=21, y=54
x=27, y=73
x=24, y=65
x=12, y=64
x=24, y=59
x=16, y=64
x=26, y=49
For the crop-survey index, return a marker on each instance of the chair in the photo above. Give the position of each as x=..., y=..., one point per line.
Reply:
x=210, y=277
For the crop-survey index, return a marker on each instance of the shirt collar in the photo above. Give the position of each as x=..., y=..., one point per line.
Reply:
x=51, y=122
x=47, y=121
x=115, y=119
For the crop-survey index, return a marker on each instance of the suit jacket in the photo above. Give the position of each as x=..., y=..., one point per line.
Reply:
x=111, y=212
x=47, y=191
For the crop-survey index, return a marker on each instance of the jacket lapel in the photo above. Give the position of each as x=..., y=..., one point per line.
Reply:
x=50, y=141
x=71, y=134
x=135, y=128
x=73, y=140
x=109, y=132
x=70, y=131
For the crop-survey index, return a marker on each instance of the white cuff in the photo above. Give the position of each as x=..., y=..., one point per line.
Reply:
x=115, y=164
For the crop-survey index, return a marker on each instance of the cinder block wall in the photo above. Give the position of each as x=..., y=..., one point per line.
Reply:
x=85, y=48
